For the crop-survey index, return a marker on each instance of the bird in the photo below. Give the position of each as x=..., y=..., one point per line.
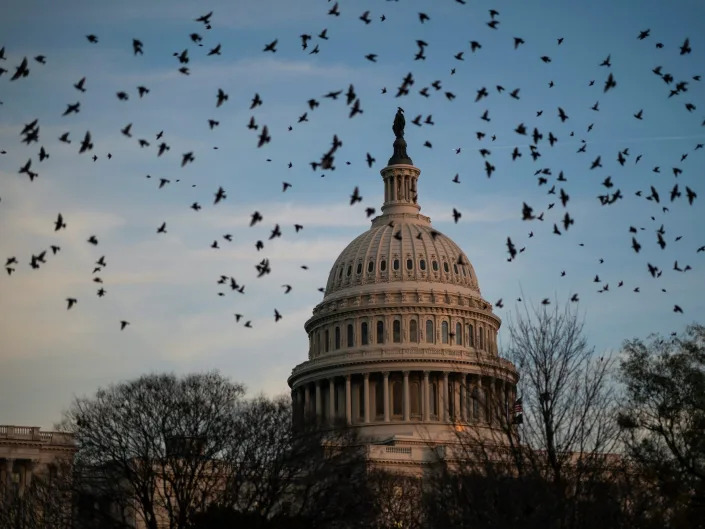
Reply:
x=86, y=144
x=221, y=97
x=264, y=137
x=21, y=71
x=456, y=215
x=272, y=46
x=685, y=47
x=355, y=197
x=162, y=228
x=59, y=223
x=610, y=82
x=70, y=302
x=123, y=324
x=219, y=195
x=287, y=288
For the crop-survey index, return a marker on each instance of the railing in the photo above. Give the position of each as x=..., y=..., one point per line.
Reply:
x=33, y=433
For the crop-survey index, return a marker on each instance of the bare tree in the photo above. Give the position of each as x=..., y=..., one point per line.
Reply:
x=154, y=446
x=663, y=425
x=550, y=467
x=45, y=504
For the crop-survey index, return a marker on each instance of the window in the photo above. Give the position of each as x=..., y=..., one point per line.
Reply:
x=340, y=273
x=455, y=267
x=319, y=348
x=327, y=340
x=481, y=334
x=434, y=264
x=422, y=264
x=363, y=331
x=459, y=333
x=370, y=267
x=471, y=336
x=396, y=331
x=429, y=331
x=337, y=338
x=409, y=264
x=395, y=264
x=380, y=331
x=383, y=265
x=349, y=270
x=413, y=332
x=379, y=398
x=444, y=332
x=359, y=268
x=396, y=397
x=350, y=335
x=446, y=268
x=463, y=269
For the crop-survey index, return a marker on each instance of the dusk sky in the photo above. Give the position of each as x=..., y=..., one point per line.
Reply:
x=165, y=284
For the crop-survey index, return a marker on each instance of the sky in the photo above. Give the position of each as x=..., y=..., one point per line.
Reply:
x=166, y=284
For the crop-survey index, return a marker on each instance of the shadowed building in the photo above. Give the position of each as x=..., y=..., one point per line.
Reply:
x=403, y=345
x=26, y=451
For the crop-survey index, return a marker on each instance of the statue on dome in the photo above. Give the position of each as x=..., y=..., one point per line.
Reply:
x=399, y=123
x=400, y=156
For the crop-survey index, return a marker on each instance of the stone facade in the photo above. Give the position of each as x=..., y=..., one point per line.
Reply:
x=403, y=346
x=26, y=451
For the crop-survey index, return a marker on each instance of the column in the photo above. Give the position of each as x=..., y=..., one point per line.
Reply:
x=348, y=400
x=319, y=405
x=366, y=399
x=386, y=395
x=443, y=412
x=426, y=400
x=482, y=396
x=406, y=403
x=463, y=398
x=8, y=472
x=331, y=401
x=307, y=402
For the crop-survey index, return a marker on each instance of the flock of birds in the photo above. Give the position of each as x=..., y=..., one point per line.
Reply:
x=664, y=196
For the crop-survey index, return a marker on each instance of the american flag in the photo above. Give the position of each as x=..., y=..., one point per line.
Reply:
x=518, y=408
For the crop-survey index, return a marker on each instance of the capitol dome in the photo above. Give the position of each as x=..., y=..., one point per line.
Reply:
x=403, y=345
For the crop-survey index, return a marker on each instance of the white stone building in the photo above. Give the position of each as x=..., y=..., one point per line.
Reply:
x=403, y=346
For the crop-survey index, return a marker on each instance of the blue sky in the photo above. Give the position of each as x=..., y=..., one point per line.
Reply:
x=165, y=284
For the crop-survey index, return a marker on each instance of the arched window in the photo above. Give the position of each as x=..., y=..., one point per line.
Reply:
x=327, y=340
x=471, y=336
x=444, y=332
x=379, y=398
x=422, y=264
x=434, y=264
x=396, y=397
x=318, y=339
x=409, y=264
x=349, y=270
x=429, y=331
x=383, y=265
x=415, y=398
x=337, y=338
x=370, y=267
x=481, y=334
x=445, y=267
x=459, y=333
x=455, y=267
x=350, y=335
x=395, y=264
x=380, y=331
x=364, y=335
x=340, y=273
x=413, y=331
x=359, y=268
x=396, y=331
